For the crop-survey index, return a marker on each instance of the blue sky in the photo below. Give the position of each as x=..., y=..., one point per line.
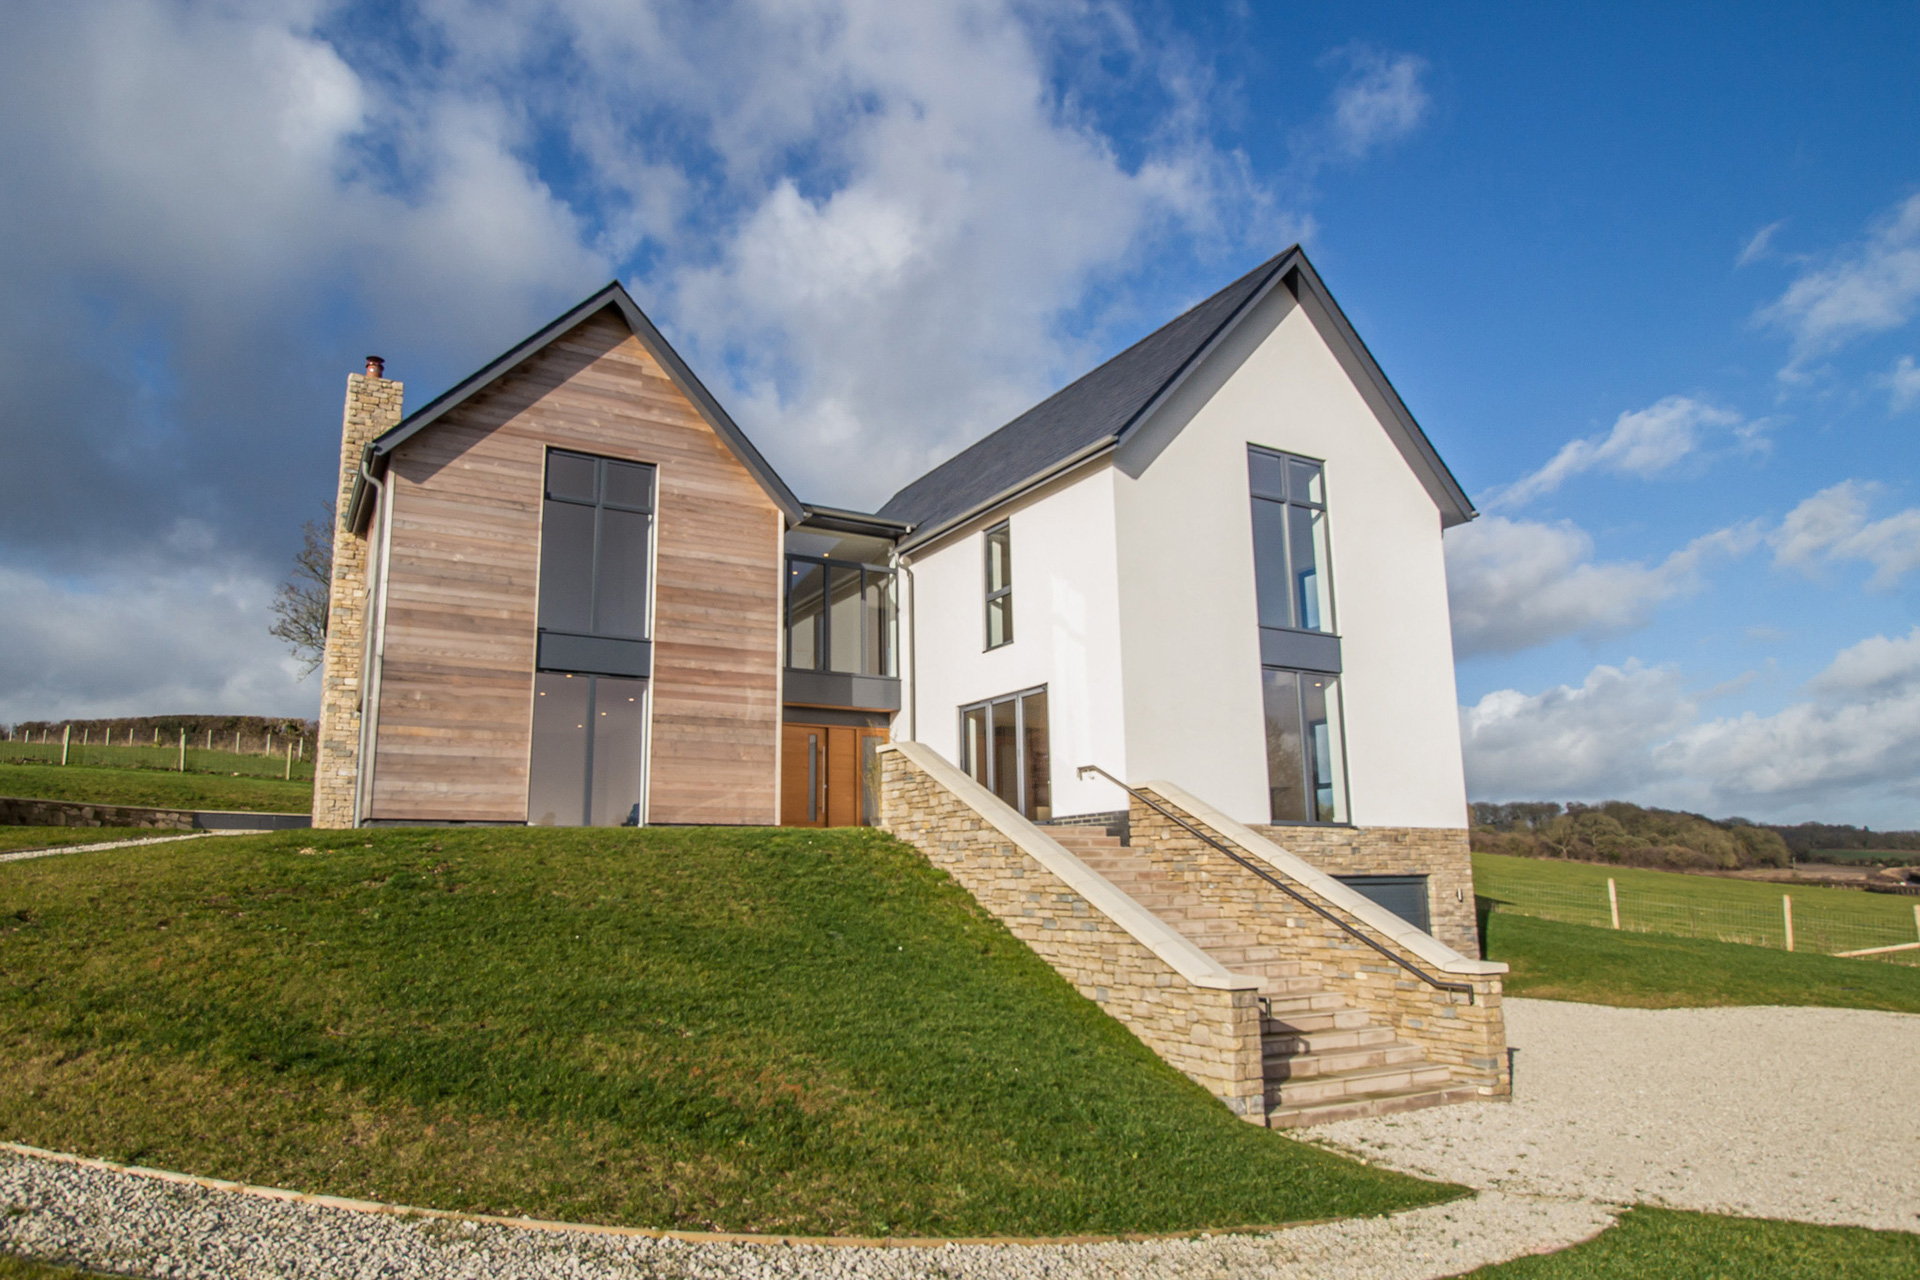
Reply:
x=1647, y=275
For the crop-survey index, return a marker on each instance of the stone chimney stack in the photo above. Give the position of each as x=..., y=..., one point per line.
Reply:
x=373, y=405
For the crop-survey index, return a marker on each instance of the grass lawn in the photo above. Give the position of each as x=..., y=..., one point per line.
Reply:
x=1555, y=961
x=153, y=788
x=757, y=1030
x=12, y=838
x=12, y=1268
x=1662, y=1244
x=1670, y=902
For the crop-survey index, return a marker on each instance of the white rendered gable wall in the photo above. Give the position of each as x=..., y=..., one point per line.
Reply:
x=1066, y=633
x=1189, y=625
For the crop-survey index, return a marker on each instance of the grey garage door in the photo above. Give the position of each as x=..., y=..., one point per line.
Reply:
x=1405, y=896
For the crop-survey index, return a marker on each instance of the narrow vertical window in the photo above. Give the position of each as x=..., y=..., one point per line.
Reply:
x=1290, y=560
x=589, y=724
x=999, y=586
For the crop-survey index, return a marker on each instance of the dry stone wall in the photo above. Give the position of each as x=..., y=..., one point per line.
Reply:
x=1213, y=1036
x=373, y=405
x=1438, y=853
x=1468, y=1035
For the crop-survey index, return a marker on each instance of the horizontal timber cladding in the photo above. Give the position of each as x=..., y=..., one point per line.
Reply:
x=457, y=680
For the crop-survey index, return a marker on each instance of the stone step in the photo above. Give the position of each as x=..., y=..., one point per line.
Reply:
x=1365, y=1082
x=1343, y=1018
x=1303, y=1066
x=1283, y=1008
x=1328, y=1040
x=1293, y=1117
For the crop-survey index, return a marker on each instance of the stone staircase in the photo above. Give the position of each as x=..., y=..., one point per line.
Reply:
x=1324, y=1058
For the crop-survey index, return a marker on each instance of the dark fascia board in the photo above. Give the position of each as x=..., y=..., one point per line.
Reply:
x=1338, y=332
x=840, y=520
x=614, y=295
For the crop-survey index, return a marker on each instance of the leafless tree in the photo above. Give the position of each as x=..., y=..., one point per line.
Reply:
x=300, y=605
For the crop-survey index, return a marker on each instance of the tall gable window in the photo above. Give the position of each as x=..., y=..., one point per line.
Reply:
x=999, y=568
x=1290, y=562
x=1299, y=654
x=590, y=691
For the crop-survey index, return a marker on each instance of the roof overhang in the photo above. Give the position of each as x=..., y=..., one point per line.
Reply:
x=374, y=460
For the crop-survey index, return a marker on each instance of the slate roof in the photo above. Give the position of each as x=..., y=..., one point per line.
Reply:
x=1096, y=411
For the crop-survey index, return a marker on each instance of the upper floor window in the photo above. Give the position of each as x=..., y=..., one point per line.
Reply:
x=1291, y=569
x=595, y=553
x=999, y=586
x=840, y=604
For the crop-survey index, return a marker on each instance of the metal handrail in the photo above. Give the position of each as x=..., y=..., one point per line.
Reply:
x=1281, y=885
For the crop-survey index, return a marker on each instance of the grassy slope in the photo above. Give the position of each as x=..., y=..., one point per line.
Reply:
x=1514, y=879
x=1556, y=961
x=1661, y=1244
x=15, y=1268
x=154, y=789
x=741, y=1029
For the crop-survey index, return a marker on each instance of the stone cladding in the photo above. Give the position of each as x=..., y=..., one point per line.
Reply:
x=1438, y=853
x=1213, y=1036
x=1469, y=1037
x=373, y=405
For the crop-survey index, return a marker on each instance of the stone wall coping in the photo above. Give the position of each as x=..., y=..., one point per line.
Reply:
x=1424, y=946
x=1151, y=932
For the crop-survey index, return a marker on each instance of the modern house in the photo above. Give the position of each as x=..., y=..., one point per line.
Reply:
x=571, y=591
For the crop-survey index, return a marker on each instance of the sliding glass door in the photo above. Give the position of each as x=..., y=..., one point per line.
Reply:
x=1003, y=746
x=589, y=747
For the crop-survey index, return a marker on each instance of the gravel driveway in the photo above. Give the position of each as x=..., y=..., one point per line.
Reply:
x=1808, y=1114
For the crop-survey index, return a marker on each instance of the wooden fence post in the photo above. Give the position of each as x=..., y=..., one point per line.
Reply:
x=1786, y=911
x=183, y=750
x=1613, y=902
x=66, y=740
x=289, y=762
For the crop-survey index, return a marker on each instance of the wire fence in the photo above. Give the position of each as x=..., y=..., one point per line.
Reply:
x=1802, y=923
x=259, y=756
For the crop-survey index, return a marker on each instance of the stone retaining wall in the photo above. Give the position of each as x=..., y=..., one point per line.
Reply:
x=20, y=812
x=1439, y=853
x=1468, y=1036
x=1213, y=1036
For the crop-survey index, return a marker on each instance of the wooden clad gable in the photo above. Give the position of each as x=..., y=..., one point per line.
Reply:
x=456, y=691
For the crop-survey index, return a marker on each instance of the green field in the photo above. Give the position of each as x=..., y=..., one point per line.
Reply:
x=1662, y=1244
x=1555, y=961
x=1712, y=907
x=738, y=1029
x=153, y=788
x=219, y=761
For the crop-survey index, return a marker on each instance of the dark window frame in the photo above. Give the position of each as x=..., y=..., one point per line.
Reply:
x=1286, y=500
x=823, y=621
x=1004, y=592
x=1345, y=787
x=1022, y=783
x=599, y=506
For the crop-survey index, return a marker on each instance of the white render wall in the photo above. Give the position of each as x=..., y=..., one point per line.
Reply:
x=1065, y=627
x=1190, y=635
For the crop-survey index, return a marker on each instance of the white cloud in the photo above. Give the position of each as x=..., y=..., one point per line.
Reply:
x=1381, y=99
x=1642, y=443
x=1903, y=385
x=1869, y=288
x=1848, y=752
x=1833, y=526
x=147, y=642
x=1516, y=584
x=1761, y=244
x=1587, y=743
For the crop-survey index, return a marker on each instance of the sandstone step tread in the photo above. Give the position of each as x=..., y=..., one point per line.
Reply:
x=1358, y=1108
x=1336, y=1086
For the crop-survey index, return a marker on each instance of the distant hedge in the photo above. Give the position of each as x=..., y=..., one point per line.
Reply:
x=1626, y=834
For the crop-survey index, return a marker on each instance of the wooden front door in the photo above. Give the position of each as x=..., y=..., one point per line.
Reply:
x=822, y=770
